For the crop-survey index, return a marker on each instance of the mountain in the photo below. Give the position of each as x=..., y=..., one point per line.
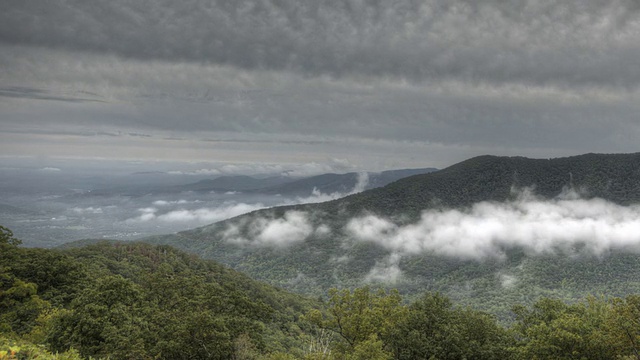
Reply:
x=219, y=184
x=232, y=183
x=341, y=183
x=473, y=231
x=10, y=210
x=270, y=185
x=491, y=178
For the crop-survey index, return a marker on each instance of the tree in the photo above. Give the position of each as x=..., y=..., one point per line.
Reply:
x=20, y=305
x=435, y=329
x=623, y=325
x=552, y=329
x=363, y=320
x=106, y=320
x=6, y=237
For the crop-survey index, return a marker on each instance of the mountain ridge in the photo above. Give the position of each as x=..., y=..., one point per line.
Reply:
x=491, y=178
x=327, y=183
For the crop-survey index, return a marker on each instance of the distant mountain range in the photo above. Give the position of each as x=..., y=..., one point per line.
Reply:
x=229, y=183
x=10, y=210
x=370, y=237
x=282, y=185
x=341, y=183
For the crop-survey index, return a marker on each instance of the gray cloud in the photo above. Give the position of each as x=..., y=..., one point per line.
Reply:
x=532, y=42
x=181, y=99
x=260, y=230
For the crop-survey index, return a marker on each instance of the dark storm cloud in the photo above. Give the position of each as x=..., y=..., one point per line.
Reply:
x=577, y=42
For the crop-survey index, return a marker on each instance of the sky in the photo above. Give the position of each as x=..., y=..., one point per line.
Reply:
x=344, y=84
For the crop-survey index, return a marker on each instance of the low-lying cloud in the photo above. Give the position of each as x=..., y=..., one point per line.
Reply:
x=207, y=215
x=50, y=169
x=386, y=270
x=487, y=229
x=174, y=202
x=87, y=210
x=293, y=227
x=317, y=196
x=201, y=215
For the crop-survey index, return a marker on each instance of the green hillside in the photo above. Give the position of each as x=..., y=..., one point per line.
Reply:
x=113, y=300
x=134, y=300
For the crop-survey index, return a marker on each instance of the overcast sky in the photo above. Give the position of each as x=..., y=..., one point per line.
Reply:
x=366, y=84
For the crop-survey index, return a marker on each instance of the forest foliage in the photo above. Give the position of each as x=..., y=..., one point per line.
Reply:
x=139, y=301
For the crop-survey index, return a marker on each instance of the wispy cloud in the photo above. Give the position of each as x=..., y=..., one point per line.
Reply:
x=293, y=227
x=386, y=270
x=50, y=169
x=207, y=215
x=199, y=216
x=40, y=94
x=88, y=210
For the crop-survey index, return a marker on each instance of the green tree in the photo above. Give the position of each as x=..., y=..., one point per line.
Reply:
x=370, y=349
x=20, y=304
x=20, y=349
x=107, y=319
x=363, y=320
x=623, y=325
x=6, y=237
x=552, y=329
x=435, y=329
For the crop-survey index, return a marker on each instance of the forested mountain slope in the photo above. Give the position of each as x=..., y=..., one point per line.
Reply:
x=562, y=229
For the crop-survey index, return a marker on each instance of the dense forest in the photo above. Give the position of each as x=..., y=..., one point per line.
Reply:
x=139, y=301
